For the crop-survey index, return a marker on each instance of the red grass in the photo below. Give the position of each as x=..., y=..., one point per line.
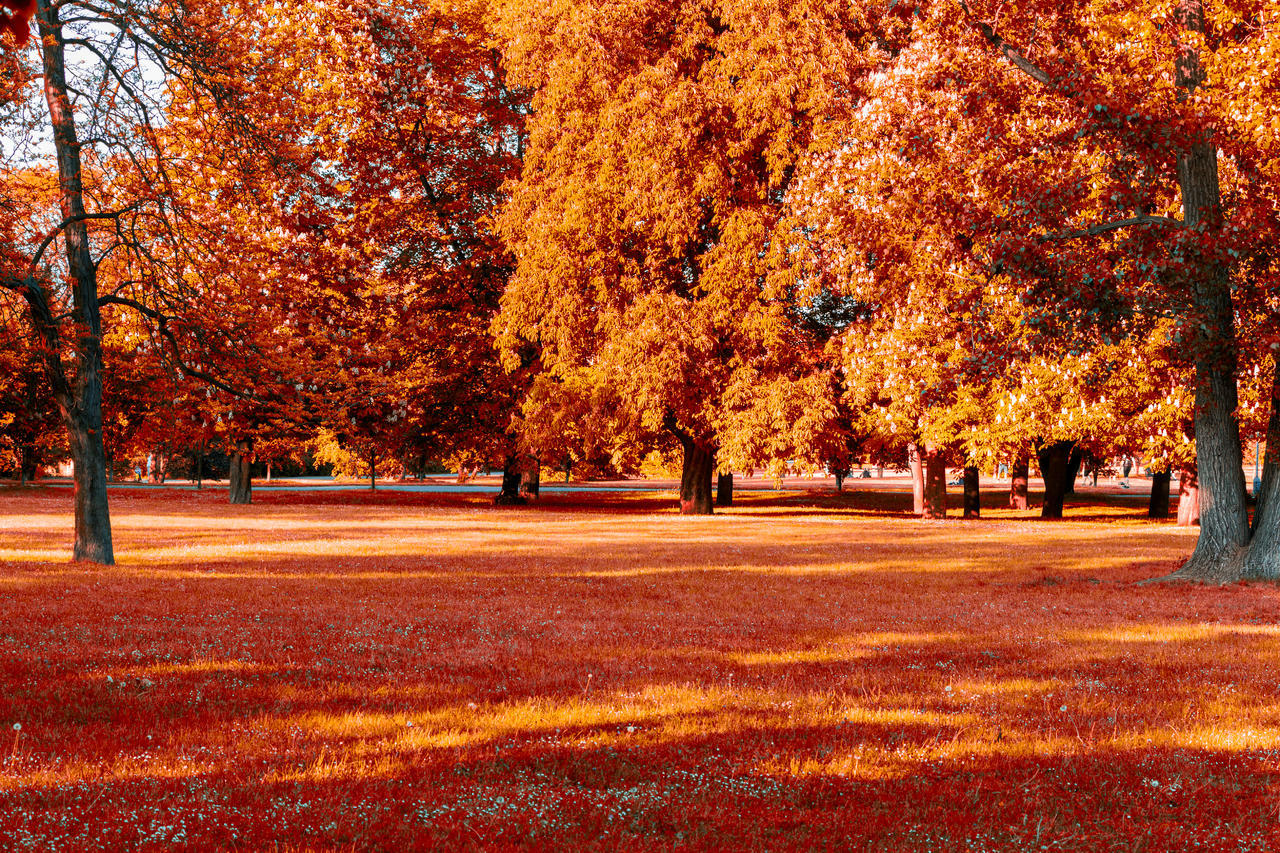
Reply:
x=599, y=673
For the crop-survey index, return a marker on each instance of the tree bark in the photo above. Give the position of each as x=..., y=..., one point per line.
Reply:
x=510, y=493
x=695, y=477
x=1263, y=559
x=917, y=478
x=240, y=476
x=724, y=489
x=935, y=484
x=1188, y=499
x=373, y=469
x=972, y=492
x=1221, y=498
x=1019, y=474
x=531, y=477
x=1159, y=505
x=1074, y=461
x=80, y=400
x=1054, y=459
x=200, y=465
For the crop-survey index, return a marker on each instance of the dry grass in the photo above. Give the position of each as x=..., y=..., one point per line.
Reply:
x=798, y=672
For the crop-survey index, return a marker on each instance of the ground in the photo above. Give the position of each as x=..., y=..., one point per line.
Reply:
x=416, y=671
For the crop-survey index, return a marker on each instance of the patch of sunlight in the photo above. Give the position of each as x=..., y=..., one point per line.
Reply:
x=1216, y=738
x=159, y=670
x=1169, y=633
x=852, y=648
x=123, y=770
x=35, y=555
x=1008, y=686
x=342, y=768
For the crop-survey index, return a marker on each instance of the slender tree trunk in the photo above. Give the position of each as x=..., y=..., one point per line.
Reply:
x=1188, y=498
x=972, y=492
x=935, y=484
x=268, y=471
x=1053, y=468
x=916, y=467
x=510, y=493
x=200, y=465
x=241, y=476
x=839, y=481
x=80, y=401
x=373, y=468
x=695, y=477
x=1159, y=505
x=1019, y=475
x=724, y=489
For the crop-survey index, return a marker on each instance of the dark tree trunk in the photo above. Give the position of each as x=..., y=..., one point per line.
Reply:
x=917, y=478
x=1019, y=474
x=839, y=475
x=695, y=477
x=1188, y=499
x=1263, y=560
x=373, y=469
x=972, y=493
x=1074, y=461
x=241, y=476
x=80, y=400
x=1159, y=505
x=1053, y=459
x=935, y=484
x=531, y=478
x=200, y=465
x=510, y=493
x=724, y=489
x=1221, y=499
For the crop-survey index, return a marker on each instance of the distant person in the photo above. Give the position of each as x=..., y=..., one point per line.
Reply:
x=1126, y=468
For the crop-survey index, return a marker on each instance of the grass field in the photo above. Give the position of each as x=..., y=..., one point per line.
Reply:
x=394, y=672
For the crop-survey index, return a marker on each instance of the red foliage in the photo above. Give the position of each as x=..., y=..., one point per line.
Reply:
x=17, y=18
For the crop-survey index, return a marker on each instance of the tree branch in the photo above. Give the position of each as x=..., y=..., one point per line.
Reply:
x=1095, y=230
x=1014, y=54
x=84, y=217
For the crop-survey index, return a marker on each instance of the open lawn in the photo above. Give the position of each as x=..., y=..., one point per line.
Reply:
x=391, y=672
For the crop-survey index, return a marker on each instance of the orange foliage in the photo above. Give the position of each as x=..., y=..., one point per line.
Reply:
x=16, y=18
x=794, y=673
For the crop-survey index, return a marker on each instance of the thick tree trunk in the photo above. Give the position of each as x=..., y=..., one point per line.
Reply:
x=240, y=476
x=724, y=489
x=510, y=493
x=1159, y=505
x=935, y=484
x=531, y=478
x=1054, y=458
x=1224, y=514
x=972, y=492
x=92, y=517
x=1074, y=461
x=695, y=477
x=917, y=478
x=839, y=481
x=1188, y=498
x=1019, y=474
x=1263, y=559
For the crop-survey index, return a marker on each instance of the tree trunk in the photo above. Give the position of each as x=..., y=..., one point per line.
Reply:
x=531, y=477
x=1054, y=459
x=935, y=484
x=724, y=489
x=839, y=481
x=695, y=477
x=1074, y=461
x=1188, y=498
x=268, y=471
x=1019, y=474
x=200, y=465
x=917, y=478
x=1224, y=514
x=972, y=493
x=373, y=469
x=1263, y=559
x=241, y=477
x=79, y=401
x=510, y=493
x=1159, y=505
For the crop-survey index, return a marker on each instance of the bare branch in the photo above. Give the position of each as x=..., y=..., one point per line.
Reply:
x=84, y=217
